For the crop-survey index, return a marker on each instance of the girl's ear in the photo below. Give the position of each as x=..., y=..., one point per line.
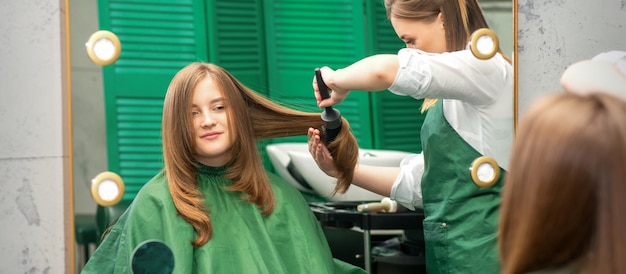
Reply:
x=440, y=19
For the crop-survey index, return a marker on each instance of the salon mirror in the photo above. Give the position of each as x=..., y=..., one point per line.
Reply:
x=90, y=58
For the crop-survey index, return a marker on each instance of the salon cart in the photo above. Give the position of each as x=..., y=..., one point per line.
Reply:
x=342, y=221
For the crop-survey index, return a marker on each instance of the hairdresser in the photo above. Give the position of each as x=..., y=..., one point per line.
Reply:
x=469, y=104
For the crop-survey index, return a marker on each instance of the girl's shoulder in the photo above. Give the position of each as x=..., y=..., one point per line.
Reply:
x=155, y=189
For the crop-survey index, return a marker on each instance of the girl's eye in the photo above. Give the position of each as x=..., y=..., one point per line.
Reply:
x=195, y=113
x=219, y=107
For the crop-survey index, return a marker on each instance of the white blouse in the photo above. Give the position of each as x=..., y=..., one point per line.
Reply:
x=477, y=102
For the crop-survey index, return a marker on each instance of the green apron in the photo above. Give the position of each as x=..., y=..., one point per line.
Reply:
x=460, y=217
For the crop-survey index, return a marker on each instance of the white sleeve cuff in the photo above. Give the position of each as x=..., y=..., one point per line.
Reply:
x=414, y=74
x=407, y=189
x=616, y=57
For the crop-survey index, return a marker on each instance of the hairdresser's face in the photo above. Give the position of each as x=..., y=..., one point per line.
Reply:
x=420, y=34
x=210, y=122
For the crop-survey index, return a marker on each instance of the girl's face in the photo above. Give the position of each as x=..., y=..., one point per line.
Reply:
x=210, y=122
x=422, y=35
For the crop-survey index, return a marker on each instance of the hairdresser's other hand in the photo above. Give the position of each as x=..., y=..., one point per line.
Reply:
x=320, y=153
x=337, y=94
x=589, y=76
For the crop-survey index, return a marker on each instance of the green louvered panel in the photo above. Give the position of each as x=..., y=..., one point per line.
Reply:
x=383, y=38
x=397, y=119
x=302, y=35
x=237, y=40
x=399, y=122
x=158, y=38
x=139, y=141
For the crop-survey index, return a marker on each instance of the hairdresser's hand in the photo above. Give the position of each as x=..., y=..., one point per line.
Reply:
x=320, y=153
x=337, y=94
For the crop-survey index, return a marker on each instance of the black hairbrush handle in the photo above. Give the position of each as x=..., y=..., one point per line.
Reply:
x=331, y=118
x=321, y=86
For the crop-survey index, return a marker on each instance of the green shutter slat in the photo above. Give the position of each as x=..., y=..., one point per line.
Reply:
x=140, y=150
x=141, y=156
x=140, y=117
x=140, y=165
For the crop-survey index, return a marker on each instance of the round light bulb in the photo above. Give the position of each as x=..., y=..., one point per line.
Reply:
x=484, y=43
x=108, y=190
x=485, y=172
x=104, y=48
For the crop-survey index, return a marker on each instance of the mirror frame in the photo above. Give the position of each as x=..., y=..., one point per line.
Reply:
x=515, y=77
x=70, y=238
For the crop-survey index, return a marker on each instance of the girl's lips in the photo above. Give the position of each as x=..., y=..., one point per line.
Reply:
x=210, y=136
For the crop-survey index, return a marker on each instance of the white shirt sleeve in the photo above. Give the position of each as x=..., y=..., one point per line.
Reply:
x=407, y=189
x=451, y=75
x=477, y=95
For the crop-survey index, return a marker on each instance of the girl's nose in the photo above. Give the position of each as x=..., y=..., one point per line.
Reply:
x=208, y=121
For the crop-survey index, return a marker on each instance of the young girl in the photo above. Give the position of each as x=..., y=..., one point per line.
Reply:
x=214, y=205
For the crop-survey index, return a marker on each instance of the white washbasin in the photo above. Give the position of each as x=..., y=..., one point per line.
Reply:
x=306, y=176
x=281, y=161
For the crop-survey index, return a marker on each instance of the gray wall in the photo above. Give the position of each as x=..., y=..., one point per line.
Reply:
x=89, y=133
x=88, y=120
x=554, y=34
x=34, y=153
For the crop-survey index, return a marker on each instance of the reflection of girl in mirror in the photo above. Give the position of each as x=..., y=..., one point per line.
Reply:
x=214, y=204
x=563, y=203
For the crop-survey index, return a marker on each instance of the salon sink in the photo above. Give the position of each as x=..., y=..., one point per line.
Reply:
x=294, y=163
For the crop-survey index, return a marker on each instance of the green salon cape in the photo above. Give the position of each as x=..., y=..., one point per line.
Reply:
x=461, y=218
x=289, y=240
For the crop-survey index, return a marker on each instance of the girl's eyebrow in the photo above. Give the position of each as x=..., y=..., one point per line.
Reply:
x=213, y=101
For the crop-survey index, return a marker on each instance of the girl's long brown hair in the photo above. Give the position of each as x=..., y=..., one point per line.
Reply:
x=251, y=117
x=563, y=199
x=461, y=18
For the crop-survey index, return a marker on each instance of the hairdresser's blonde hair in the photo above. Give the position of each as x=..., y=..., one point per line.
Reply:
x=462, y=18
x=251, y=117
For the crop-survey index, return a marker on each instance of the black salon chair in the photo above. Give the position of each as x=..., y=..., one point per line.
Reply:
x=106, y=216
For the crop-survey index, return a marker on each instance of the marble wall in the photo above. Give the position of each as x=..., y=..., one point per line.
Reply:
x=554, y=34
x=88, y=119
